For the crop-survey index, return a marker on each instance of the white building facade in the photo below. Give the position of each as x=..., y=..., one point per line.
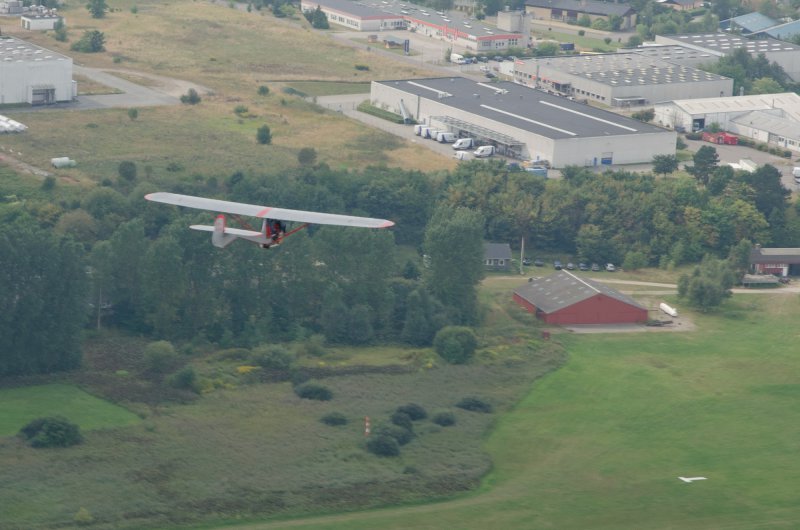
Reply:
x=34, y=75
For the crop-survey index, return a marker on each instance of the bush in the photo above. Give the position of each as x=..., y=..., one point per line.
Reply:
x=694, y=136
x=313, y=345
x=263, y=90
x=263, y=135
x=92, y=41
x=273, y=357
x=53, y=431
x=298, y=377
x=185, y=379
x=455, y=344
x=191, y=97
x=127, y=170
x=313, y=391
x=83, y=517
x=401, y=419
x=401, y=435
x=307, y=156
x=241, y=109
x=334, y=418
x=383, y=446
x=362, y=67
x=444, y=418
x=160, y=357
x=474, y=404
x=414, y=411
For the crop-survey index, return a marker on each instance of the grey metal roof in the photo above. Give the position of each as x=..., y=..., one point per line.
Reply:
x=359, y=9
x=775, y=255
x=676, y=54
x=626, y=69
x=591, y=7
x=13, y=50
x=766, y=121
x=752, y=22
x=525, y=108
x=788, y=102
x=497, y=251
x=784, y=31
x=726, y=43
x=563, y=289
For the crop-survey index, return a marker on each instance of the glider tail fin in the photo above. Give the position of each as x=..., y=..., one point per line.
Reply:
x=219, y=238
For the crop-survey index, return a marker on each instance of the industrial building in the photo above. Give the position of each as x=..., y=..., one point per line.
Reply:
x=565, y=298
x=570, y=11
x=770, y=118
x=523, y=122
x=40, y=21
x=31, y=74
x=620, y=79
x=786, y=54
x=355, y=15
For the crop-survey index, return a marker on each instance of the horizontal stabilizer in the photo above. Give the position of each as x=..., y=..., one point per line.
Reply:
x=233, y=231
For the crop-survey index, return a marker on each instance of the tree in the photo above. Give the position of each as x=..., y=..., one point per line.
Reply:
x=191, y=97
x=455, y=344
x=708, y=285
x=319, y=20
x=307, y=156
x=97, y=8
x=127, y=170
x=92, y=41
x=263, y=90
x=766, y=85
x=60, y=30
x=263, y=135
x=43, y=286
x=664, y=164
x=133, y=113
x=160, y=357
x=705, y=162
x=454, y=244
x=54, y=431
x=423, y=318
x=360, y=329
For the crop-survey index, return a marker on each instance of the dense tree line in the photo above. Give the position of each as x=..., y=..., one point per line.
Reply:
x=111, y=259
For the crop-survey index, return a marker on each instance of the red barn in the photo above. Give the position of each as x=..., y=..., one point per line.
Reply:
x=564, y=298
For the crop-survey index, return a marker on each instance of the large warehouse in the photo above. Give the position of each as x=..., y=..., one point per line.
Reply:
x=769, y=118
x=564, y=298
x=30, y=74
x=525, y=123
x=620, y=79
x=355, y=15
x=717, y=45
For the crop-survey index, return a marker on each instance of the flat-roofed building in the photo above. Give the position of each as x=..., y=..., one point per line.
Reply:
x=356, y=16
x=461, y=30
x=525, y=123
x=697, y=114
x=571, y=10
x=620, y=79
x=39, y=22
x=786, y=54
x=31, y=74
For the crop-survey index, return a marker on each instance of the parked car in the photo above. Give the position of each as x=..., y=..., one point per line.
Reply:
x=583, y=267
x=570, y=266
x=526, y=261
x=538, y=262
x=595, y=267
x=490, y=75
x=610, y=267
x=483, y=59
x=557, y=265
x=499, y=58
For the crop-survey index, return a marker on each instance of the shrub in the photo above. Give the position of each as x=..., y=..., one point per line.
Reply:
x=313, y=391
x=241, y=109
x=53, y=431
x=414, y=411
x=444, y=418
x=191, y=97
x=160, y=357
x=401, y=419
x=83, y=517
x=334, y=418
x=401, y=435
x=307, y=156
x=185, y=379
x=383, y=446
x=92, y=41
x=455, y=344
x=49, y=183
x=273, y=357
x=127, y=170
x=298, y=377
x=263, y=135
x=313, y=345
x=263, y=90
x=474, y=404
x=362, y=67
x=133, y=113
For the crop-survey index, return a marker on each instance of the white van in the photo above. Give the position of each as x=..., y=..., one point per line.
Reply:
x=418, y=129
x=796, y=174
x=464, y=143
x=446, y=137
x=484, y=151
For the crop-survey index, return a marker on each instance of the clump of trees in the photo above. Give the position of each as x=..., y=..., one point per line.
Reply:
x=55, y=431
x=92, y=41
x=191, y=97
x=317, y=18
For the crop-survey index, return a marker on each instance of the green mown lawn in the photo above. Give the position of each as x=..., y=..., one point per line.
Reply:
x=18, y=406
x=601, y=442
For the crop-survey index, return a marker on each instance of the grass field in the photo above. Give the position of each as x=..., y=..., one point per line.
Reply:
x=21, y=405
x=601, y=442
x=233, y=53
